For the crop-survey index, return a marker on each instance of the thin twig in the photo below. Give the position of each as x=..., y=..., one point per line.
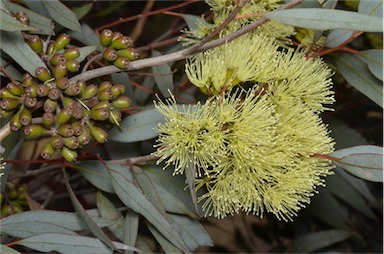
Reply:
x=141, y=22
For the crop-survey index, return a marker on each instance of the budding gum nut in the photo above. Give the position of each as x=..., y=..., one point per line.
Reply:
x=29, y=102
x=71, y=142
x=122, y=102
x=61, y=41
x=14, y=123
x=48, y=120
x=35, y=43
x=58, y=58
x=72, y=65
x=122, y=42
x=60, y=70
x=5, y=94
x=121, y=62
x=66, y=130
x=9, y=104
x=47, y=151
x=110, y=54
x=129, y=53
x=63, y=116
x=25, y=116
x=34, y=131
x=57, y=142
x=42, y=90
x=68, y=154
x=89, y=92
x=62, y=83
x=15, y=89
x=50, y=105
x=99, y=114
x=106, y=37
x=27, y=79
x=43, y=74
x=72, y=53
x=98, y=134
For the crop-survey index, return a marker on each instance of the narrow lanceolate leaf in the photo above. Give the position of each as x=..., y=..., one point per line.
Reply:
x=85, y=51
x=7, y=250
x=167, y=246
x=190, y=174
x=10, y=69
x=315, y=241
x=9, y=23
x=62, y=14
x=86, y=35
x=357, y=73
x=134, y=198
x=325, y=19
x=365, y=162
x=337, y=37
x=131, y=228
x=14, y=45
x=96, y=230
x=40, y=22
x=96, y=173
x=374, y=60
x=163, y=76
x=371, y=7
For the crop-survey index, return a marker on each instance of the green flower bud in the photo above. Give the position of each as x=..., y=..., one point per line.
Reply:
x=85, y=137
x=14, y=89
x=77, y=127
x=116, y=35
x=105, y=95
x=68, y=154
x=5, y=113
x=31, y=91
x=50, y=48
x=54, y=94
x=74, y=89
x=14, y=123
x=42, y=73
x=47, y=151
x=104, y=85
x=22, y=17
x=57, y=58
x=121, y=62
x=60, y=70
x=63, y=116
x=115, y=117
x=61, y=42
x=110, y=54
x=98, y=134
x=50, y=105
x=25, y=117
x=62, y=83
x=77, y=113
x=42, y=90
x=47, y=120
x=34, y=131
x=72, y=65
x=27, y=79
x=106, y=37
x=29, y=102
x=57, y=142
x=71, y=142
x=69, y=103
x=89, y=92
x=66, y=130
x=5, y=94
x=72, y=53
x=9, y=104
x=123, y=102
x=118, y=89
x=99, y=114
x=121, y=42
x=129, y=53
x=101, y=104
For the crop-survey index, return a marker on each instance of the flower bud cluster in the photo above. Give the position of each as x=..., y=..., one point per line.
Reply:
x=13, y=200
x=50, y=104
x=118, y=48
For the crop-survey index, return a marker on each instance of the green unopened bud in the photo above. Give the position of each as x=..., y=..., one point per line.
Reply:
x=48, y=120
x=106, y=37
x=66, y=130
x=105, y=95
x=85, y=137
x=123, y=102
x=71, y=142
x=101, y=104
x=47, y=151
x=29, y=102
x=50, y=105
x=98, y=134
x=77, y=113
x=104, y=85
x=9, y=104
x=116, y=35
x=25, y=117
x=115, y=117
x=69, y=103
x=50, y=48
x=77, y=127
x=72, y=65
x=14, y=123
x=63, y=116
x=31, y=91
x=5, y=94
x=5, y=113
x=22, y=17
x=74, y=89
x=122, y=42
x=57, y=142
x=68, y=154
x=42, y=73
x=57, y=58
x=54, y=94
x=121, y=62
x=42, y=90
x=72, y=53
x=61, y=42
x=99, y=114
x=89, y=92
x=110, y=54
x=34, y=131
x=129, y=53
x=60, y=70
x=118, y=89
x=82, y=85
x=15, y=89
x=27, y=79
x=62, y=83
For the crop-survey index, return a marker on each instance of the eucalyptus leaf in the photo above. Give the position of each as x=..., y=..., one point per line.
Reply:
x=85, y=51
x=7, y=250
x=142, y=94
x=371, y=7
x=135, y=199
x=15, y=74
x=356, y=72
x=7, y=168
x=326, y=19
x=14, y=45
x=83, y=10
x=10, y=24
x=61, y=14
x=87, y=36
x=337, y=37
x=131, y=227
x=191, y=20
x=374, y=60
x=190, y=174
x=315, y=241
x=96, y=173
x=167, y=246
x=163, y=76
x=38, y=21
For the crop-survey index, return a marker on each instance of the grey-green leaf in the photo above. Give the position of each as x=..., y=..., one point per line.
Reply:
x=96, y=173
x=39, y=22
x=9, y=23
x=15, y=74
x=371, y=7
x=7, y=250
x=85, y=51
x=14, y=45
x=131, y=227
x=86, y=35
x=374, y=60
x=337, y=37
x=62, y=14
x=167, y=246
x=315, y=241
x=82, y=10
x=163, y=76
x=135, y=199
x=326, y=19
x=356, y=72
